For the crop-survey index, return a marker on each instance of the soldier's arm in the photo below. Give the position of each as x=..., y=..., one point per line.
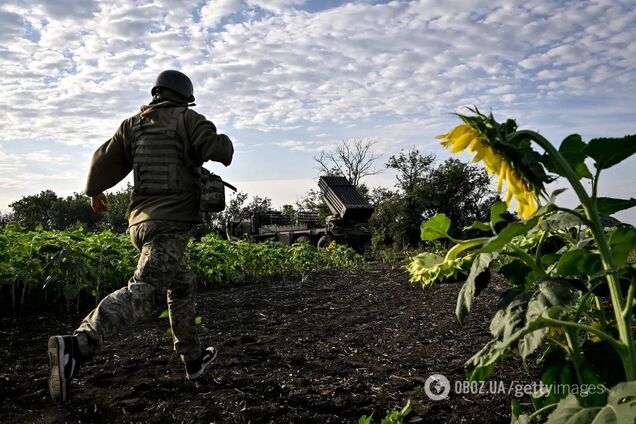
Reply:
x=206, y=143
x=110, y=164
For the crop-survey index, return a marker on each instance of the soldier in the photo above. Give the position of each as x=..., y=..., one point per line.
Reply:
x=164, y=145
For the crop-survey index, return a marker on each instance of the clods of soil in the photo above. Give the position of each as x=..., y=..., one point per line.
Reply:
x=329, y=349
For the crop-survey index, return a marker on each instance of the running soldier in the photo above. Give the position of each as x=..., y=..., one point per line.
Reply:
x=164, y=145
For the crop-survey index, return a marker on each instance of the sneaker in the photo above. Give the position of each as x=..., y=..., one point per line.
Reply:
x=195, y=368
x=64, y=359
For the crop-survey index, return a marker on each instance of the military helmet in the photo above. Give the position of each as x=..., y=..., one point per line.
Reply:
x=175, y=81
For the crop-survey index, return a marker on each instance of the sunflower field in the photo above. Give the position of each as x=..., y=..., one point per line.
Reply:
x=74, y=267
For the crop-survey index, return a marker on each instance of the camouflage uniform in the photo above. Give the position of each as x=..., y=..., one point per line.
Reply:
x=160, y=225
x=161, y=271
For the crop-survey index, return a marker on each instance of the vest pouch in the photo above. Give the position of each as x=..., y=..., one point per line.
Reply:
x=212, y=189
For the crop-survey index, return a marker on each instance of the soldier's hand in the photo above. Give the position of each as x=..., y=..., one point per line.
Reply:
x=99, y=203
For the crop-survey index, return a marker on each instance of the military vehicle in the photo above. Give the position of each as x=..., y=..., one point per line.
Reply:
x=347, y=224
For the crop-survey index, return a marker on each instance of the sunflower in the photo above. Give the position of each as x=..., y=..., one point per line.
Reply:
x=480, y=135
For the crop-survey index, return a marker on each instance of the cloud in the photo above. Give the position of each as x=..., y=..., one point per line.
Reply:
x=214, y=11
x=305, y=146
x=12, y=24
x=291, y=70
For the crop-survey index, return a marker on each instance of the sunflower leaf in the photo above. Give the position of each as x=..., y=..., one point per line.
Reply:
x=436, y=227
x=609, y=206
x=608, y=152
x=620, y=408
x=572, y=150
x=477, y=280
x=511, y=231
x=496, y=212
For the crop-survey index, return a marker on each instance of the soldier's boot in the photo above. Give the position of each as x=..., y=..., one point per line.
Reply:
x=64, y=358
x=194, y=369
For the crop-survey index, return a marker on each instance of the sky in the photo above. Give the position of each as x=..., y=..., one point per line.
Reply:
x=287, y=79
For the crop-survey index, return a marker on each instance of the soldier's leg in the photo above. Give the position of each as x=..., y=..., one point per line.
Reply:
x=161, y=254
x=181, y=297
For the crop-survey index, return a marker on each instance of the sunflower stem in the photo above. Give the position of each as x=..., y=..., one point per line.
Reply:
x=573, y=342
x=628, y=350
x=464, y=245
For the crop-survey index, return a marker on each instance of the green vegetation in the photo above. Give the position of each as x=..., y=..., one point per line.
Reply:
x=573, y=286
x=74, y=266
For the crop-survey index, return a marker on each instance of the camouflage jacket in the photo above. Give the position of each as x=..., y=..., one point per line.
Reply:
x=112, y=162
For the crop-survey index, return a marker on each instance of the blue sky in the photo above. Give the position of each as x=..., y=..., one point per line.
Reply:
x=287, y=79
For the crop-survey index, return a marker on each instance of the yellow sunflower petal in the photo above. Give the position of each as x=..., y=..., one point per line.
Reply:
x=460, y=143
x=508, y=197
x=474, y=145
x=502, y=176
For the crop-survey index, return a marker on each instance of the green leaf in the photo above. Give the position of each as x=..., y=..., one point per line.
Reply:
x=511, y=231
x=572, y=150
x=474, y=284
x=481, y=366
x=478, y=225
x=198, y=320
x=553, y=297
x=622, y=242
x=620, y=408
x=436, y=227
x=520, y=322
x=165, y=314
x=515, y=271
x=365, y=419
x=579, y=262
x=608, y=152
x=507, y=322
x=609, y=206
x=496, y=212
x=569, y=411
x=560, y=220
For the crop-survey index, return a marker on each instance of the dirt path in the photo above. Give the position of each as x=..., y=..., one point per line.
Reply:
x=326, y=350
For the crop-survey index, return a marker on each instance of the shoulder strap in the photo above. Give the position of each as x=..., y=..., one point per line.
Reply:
x=186, y=142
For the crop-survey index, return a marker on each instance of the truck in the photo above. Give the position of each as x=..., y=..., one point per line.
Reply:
x=347, y=224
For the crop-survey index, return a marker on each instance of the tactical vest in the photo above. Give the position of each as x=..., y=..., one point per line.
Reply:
x=158, y=152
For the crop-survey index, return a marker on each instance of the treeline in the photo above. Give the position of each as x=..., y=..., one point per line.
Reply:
x=423, y=187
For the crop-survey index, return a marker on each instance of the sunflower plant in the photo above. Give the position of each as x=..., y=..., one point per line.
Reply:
x=571, y=298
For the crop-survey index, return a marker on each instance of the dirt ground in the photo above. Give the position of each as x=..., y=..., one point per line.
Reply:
x=326, y=350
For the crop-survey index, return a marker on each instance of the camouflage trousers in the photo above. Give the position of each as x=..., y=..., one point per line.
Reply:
x=161, y=272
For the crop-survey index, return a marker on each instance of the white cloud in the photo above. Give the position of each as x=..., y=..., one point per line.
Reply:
x=215, y=10
x=72, y=70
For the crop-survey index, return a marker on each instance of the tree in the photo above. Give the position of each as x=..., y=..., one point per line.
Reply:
x=413, y=172
x=352, y=158
x=457, y=189
x=314, y=202
x=116, y=218
x=52, y=212
x=386, y=222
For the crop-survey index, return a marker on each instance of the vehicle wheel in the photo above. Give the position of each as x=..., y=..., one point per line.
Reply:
x=324, y=242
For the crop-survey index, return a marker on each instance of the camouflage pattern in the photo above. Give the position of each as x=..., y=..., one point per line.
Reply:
x=161, y=272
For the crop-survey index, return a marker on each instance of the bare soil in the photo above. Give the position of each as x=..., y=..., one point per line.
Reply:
x=326, y=350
